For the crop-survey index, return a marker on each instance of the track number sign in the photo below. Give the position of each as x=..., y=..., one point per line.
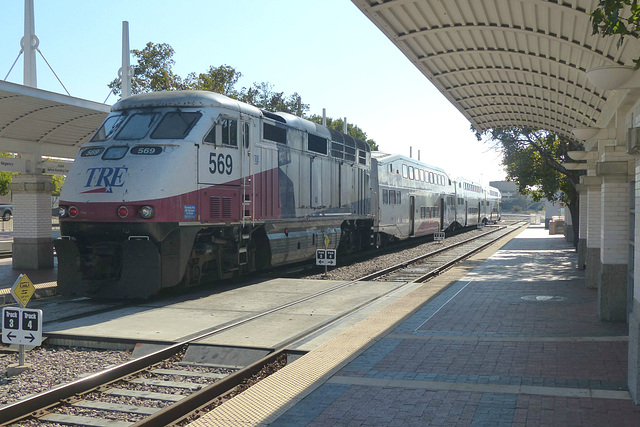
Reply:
x=21, y=326
x=325, y=257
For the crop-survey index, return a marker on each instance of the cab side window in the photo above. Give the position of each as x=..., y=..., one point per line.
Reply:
x=229, y=132
x=225, y=132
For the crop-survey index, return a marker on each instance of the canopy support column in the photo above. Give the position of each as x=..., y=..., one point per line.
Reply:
x=32, y=240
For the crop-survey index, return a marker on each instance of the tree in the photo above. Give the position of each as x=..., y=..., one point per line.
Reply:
x=57, y=181
x=220, y=79
x=352, y=130
x=153, y=71
x=263, y=96
x=533, y=160
x=617, y=17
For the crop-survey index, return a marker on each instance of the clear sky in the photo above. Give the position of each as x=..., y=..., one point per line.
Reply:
x=327, y=51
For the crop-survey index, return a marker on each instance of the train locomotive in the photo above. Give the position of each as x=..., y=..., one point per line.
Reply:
x=178, y=187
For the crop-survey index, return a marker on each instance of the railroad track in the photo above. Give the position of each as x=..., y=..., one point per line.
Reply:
x=422, y=268
x=182, y=389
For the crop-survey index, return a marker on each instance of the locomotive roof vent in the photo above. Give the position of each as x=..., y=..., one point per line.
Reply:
x=273, y=116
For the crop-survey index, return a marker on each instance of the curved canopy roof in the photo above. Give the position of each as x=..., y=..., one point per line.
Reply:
x=37, y=121
x=507, y=62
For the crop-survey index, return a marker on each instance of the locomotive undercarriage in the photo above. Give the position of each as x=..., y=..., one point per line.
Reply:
x=139, y=260
x=222, y=253
x=355, y=236
x=134, y=261
x=129, y=260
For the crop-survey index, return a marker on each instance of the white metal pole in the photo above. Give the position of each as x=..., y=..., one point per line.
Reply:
x=21, y=355
x=125, y=71
x=29, y=44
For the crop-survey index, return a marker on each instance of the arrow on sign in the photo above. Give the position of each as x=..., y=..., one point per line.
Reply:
x=11, y=336
x=30, y=337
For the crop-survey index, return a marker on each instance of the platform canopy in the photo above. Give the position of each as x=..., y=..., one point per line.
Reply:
x=50, y=124
x=508, y=62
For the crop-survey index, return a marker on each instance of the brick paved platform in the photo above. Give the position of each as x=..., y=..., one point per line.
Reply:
x=514, y=340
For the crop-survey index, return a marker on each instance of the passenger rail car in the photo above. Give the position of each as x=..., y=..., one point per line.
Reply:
x=494, y=205
x=175, y=185
x=470, y=201
x=478, y=204
x=411, y=198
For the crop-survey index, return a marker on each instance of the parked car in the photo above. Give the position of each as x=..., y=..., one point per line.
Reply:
x=6, y=211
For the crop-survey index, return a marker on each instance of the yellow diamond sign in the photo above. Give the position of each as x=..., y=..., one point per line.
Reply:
x=326, y=241
x=22, y=290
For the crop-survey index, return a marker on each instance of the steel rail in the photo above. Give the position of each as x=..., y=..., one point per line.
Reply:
x=23, y=408
x=466, y=255
x=404, y=264
x=203, y=397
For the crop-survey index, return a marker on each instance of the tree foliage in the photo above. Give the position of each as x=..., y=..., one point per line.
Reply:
x=220, y=79
x=263, y=96
x=153, y=72
x=617, y=17
x=57, y=181
x=5, y=180
x=533, y=159
x=5, y=177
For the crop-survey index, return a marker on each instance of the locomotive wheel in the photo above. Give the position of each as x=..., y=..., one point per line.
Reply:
x=192, y=274
x=195, y=274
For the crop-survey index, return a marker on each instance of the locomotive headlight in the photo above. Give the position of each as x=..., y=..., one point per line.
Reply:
x=62, y=211
x=123, y=212
x=147, y=212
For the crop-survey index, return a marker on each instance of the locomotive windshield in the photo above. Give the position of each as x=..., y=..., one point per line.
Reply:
x=137, y=126
x=108, y=128
x=173, y=125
